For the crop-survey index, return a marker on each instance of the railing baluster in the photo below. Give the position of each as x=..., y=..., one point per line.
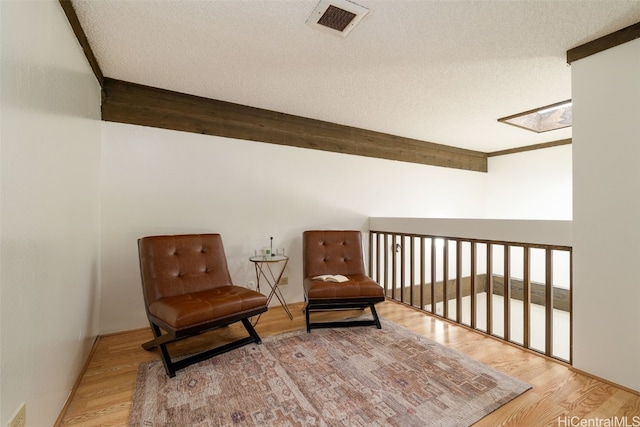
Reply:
x=507, y=293
x=445, y=279
x=371, y=254
x=422, y=273
x=386, y=264
x=571, y=305
x=458, y=281
x=472, y=285
x=526, y=298
x=433, y=274
x=412, y=269
x=394, y=271
x=489, y=288
x=378, y=256
x=548, y=302
x=403, y=281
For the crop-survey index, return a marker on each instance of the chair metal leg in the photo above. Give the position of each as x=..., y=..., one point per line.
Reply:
x=150, y=345
x=375, y=316
x=166, y=360
x=251, y=331
x=161, y=341
x=159, y=338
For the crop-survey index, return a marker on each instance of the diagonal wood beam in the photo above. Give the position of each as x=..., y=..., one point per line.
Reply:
x=614, y=39
x=530, y=147
x=132, y=103
x=72, y=17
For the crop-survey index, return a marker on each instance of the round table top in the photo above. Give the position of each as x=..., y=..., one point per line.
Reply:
x=268, y=258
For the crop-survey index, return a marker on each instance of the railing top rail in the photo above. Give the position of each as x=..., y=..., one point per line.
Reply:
x=529, y=232
x=483, y=241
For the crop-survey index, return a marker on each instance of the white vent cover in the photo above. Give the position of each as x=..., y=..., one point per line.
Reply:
x=336, y=16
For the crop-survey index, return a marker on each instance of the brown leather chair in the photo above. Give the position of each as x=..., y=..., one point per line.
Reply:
x=337, y=252
x=187, y=290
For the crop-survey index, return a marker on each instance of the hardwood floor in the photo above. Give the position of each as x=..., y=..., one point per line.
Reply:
x=560, y=396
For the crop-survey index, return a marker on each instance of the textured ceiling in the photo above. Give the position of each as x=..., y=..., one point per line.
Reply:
x=438, y=71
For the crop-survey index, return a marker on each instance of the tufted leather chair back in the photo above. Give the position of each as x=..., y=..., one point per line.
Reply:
x=181, y=264
x=332, y=252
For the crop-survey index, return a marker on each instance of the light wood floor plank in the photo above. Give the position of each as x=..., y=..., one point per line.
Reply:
x=103, y=396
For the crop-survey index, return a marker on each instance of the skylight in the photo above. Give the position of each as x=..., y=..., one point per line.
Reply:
x=543, y=119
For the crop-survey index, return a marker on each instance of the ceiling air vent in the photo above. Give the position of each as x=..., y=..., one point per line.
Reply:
x=336, y=16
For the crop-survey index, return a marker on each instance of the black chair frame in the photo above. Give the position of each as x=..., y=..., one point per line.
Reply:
x=341, y=304
x=161, y=340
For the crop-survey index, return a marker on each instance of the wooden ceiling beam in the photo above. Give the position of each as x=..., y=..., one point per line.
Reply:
x=136, y=104
x=614, y=39
x=72, y=17
x=540, y=146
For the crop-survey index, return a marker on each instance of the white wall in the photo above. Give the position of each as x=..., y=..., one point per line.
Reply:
x=159, y=181
x=531, y=185
x=49, y=215
x=606, y=200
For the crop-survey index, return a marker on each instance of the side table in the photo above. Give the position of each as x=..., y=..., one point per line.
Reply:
x=269, y=269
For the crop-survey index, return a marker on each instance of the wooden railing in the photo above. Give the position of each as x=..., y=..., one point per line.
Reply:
x=463, y=281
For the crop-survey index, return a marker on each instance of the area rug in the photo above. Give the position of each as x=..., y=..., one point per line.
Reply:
x=330, y=377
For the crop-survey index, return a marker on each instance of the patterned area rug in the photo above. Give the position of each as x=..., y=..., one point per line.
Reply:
x=330, y=377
